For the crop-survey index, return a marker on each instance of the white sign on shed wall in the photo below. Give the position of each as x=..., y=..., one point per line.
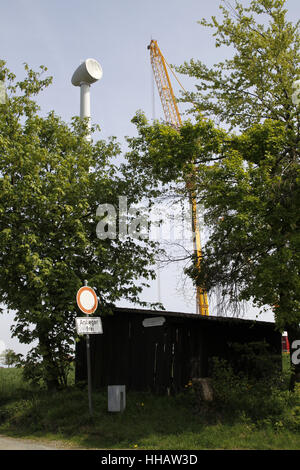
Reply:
x=155, y=321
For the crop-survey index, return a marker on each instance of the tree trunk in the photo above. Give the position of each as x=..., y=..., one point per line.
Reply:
x=50, y=367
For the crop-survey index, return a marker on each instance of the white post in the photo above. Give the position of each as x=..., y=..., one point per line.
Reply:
x=88, y=72
x=85, y=105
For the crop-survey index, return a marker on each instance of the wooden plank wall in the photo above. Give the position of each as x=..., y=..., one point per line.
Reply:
x=161, y=358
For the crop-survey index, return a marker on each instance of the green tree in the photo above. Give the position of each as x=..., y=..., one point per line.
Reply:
x=247, y=165
x=255, y=83
x=52, y=180
x=9, y=358
x=255, y=246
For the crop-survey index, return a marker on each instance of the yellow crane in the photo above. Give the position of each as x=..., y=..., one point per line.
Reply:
x=173, y=117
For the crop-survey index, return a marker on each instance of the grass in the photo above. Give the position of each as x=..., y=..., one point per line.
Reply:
x=148, y=422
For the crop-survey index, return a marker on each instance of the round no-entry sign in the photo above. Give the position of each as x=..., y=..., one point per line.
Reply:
x=87, y=300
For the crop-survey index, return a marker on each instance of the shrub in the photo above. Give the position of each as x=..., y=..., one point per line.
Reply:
x=260, y=397
x=255, y=360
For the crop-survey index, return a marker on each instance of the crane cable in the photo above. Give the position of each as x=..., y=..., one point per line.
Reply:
x=170, y=68
x=200, y=292
x=153, y=119
x=180, y=84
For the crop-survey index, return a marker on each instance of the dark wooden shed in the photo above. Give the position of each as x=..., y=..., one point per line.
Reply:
x=161, y=351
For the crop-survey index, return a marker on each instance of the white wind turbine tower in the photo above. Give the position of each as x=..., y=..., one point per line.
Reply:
x=88, y=72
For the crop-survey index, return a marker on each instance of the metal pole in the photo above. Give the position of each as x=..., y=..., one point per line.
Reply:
x=88, y=357
x=88, y=354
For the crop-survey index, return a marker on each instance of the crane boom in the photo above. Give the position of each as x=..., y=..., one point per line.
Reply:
x=164, y=85
x=173, y=117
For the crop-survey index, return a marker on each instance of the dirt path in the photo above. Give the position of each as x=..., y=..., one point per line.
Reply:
x=11, y=443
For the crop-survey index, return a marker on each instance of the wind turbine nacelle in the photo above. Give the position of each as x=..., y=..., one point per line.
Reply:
x=88, y=72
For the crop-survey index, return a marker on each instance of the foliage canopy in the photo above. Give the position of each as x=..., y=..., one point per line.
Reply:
x=243, y=135
x=52, y=179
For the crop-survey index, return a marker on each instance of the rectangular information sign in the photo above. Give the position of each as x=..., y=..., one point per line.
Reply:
x=155, y=321
x=89, y=326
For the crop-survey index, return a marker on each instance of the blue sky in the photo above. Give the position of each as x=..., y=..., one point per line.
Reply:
x=60, y=34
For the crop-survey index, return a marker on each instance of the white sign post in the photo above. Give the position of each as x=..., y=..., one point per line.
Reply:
x=87, y=301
